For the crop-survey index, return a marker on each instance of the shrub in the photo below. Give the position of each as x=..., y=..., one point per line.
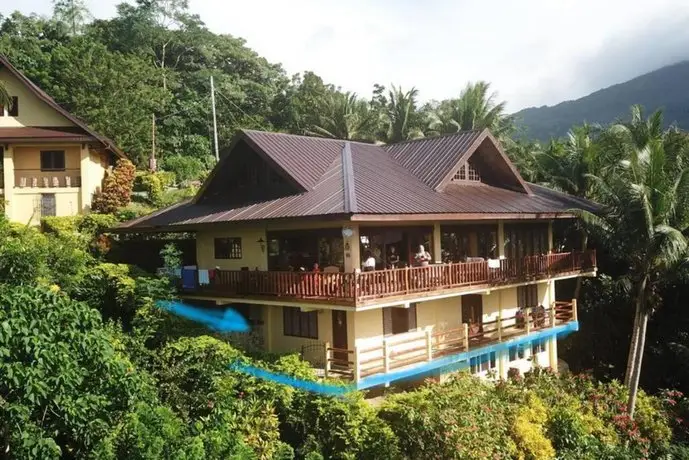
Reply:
x=152, y=185
x=110, y=288
x=63, y=225
x=185, y=168
x=64, y=386
x=117, y=188
x=529, y=428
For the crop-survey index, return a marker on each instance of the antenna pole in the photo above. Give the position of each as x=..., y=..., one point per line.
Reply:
x=152, y=161
x=215, y=122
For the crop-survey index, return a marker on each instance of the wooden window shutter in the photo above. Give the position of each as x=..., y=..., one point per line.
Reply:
x=411, y=311
x=387, y=321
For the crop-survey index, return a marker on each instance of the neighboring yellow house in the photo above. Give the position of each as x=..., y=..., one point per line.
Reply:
x=52, y=162
x=376, y=309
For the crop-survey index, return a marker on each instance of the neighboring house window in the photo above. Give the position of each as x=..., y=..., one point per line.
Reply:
x=483, y=363
x=398, y=320
x=228, y=248
x=296, y=323
x=52, y=160
x=48, y=205
x=516, y=352
x=538, y=346
x=527, y=296
x=14, y=110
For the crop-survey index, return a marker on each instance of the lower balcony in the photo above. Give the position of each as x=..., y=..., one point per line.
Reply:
x=364, y=288
x=477, y=347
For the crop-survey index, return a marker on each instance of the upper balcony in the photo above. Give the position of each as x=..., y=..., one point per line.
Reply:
x=403, y=284
x=37, y=178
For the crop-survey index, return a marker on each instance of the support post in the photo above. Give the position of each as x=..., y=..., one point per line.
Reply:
x=552, y=314
x=327, y=359
x=550, y=237
x=386, y=356
x=575, y=314
x=429, y=345
x=8, y=179
x=500, y=325
x=501, y=238
x=86, y=184
x=527, y=318
x=437, y=243
x=466, y=337
x=357, y=368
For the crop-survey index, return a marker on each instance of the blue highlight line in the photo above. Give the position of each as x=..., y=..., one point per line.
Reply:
x=227, y=320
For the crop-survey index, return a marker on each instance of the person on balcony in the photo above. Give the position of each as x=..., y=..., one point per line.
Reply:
x=422, y=257
x=369, y=264
x=393, y=258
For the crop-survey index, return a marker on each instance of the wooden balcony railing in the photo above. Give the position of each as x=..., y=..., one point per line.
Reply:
x=353, y=288
x=400, y=351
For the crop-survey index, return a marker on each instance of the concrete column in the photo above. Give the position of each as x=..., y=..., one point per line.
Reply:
x=352, y=256
x=8, y=177
x=552, y=353
x=268, y=326
x=550, y=236
x=501, y=238
x=437, y=243
x=85, y=192
x=503, y=364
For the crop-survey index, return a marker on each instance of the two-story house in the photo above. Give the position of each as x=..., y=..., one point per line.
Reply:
x=318, y=242
x=52, y=162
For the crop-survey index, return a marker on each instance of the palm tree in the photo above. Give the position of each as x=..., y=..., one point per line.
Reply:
x=401, y=117
x=646, y=199
x=475, y=108
x=344, y=116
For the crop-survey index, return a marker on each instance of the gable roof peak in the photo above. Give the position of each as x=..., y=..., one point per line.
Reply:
x=44, y=97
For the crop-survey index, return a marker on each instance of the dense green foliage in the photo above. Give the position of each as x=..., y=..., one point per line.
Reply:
x=662, y=88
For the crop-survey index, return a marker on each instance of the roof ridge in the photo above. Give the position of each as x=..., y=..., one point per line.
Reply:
x=350, y=205
x=409, y=141
x=304, y=136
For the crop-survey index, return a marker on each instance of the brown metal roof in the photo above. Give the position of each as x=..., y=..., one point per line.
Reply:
x=42, y=95
x=431, y=159
x=43, y=135
x=379, y=185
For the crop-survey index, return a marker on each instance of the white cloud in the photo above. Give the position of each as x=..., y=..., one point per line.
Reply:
x=533, y=51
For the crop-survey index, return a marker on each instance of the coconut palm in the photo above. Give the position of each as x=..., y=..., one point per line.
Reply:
x=476, y=108
x=646, y=217
x=344, y=116
x=401, y=118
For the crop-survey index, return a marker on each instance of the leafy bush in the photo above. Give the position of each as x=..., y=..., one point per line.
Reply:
x=185, y=168
x=117, y=188
x=63, y=385
x=529, y=431
x=152, y=185
x=60, y=225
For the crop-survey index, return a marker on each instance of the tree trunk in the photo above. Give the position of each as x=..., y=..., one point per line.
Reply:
x=633, y=346
x=636, y=373
x=584, y=244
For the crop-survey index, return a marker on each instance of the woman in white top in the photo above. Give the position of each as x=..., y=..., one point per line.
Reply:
x=422, y=257
x=369, y=262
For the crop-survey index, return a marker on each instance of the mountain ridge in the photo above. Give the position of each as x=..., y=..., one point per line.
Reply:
x=665, y=88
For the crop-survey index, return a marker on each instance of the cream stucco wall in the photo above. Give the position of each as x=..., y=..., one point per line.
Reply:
x=280, y=343
x=32, y=111
x=23, y=161
x=25, y=205
x=252, y=255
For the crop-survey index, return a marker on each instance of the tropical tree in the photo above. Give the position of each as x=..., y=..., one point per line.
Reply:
x=476, y=108
x=401, y=118
x=646, y=218
x=344, y=116
x=73, y=13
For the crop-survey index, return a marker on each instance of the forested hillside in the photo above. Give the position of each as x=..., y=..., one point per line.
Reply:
x=666, y=88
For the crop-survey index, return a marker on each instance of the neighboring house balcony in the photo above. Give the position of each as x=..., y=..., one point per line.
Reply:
x=38, y=178
x=360, y=289
x=491, y=346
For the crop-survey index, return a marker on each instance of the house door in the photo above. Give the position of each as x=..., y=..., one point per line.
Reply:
x=48, y=204
x=472, y=310
x=340, y=334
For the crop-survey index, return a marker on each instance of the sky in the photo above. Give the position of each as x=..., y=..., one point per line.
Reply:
x=533, y=52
